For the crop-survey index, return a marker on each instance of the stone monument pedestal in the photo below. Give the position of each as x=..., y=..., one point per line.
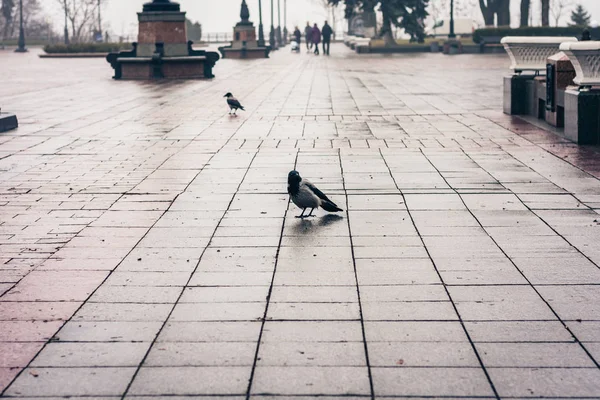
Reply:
x=518, y=90
x=8, y=122
x=162, y=49
x=582, y=119
x=559, y=74
x=244, y=44
x=453, y=46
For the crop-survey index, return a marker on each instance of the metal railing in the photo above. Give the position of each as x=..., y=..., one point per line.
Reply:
x=217, y=37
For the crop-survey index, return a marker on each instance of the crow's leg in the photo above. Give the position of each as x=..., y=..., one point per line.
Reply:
x=301, y=214
x=311, y=211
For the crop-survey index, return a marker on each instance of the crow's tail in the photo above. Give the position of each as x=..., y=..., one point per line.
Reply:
x=330, y=206
x=242, y=108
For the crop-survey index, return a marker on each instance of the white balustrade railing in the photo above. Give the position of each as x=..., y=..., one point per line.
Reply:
x=348, y=39
x=585, y=57
x=530, y=53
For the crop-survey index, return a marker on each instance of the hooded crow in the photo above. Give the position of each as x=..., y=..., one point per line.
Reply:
x=233, y=103
x=306, y=195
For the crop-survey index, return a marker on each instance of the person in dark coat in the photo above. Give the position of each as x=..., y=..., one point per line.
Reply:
x=316, y=38
x=327, y=32
x=297, y=35
x=308, y=36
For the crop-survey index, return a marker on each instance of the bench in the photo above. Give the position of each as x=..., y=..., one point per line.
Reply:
x=585, y=57
x=529, y=53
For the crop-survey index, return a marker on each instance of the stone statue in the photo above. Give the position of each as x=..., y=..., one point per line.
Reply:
x=245, y=13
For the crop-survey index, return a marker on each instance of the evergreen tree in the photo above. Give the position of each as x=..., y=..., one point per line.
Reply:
x=194, y=30
x=405, y=14
x=580, y=16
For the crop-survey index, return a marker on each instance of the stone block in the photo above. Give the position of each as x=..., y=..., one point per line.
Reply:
x=518, y=91
x=8, y=122
x=582, y=116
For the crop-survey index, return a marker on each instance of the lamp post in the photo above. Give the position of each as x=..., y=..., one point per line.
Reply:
x=21, y=48
x=279, y=42
x=272, y=33
x=285, y=30
x=261, y=34
x=451, y=35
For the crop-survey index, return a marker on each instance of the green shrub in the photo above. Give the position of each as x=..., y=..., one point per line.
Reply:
x=576, y=31
x=87, y=48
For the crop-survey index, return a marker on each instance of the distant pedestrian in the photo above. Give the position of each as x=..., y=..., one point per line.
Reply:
x=297, y=35
x=327, y=32
x=316, y=38
x=308, y=36
x=586, y=35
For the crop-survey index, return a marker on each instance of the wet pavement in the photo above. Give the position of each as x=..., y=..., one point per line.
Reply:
x=148, y=248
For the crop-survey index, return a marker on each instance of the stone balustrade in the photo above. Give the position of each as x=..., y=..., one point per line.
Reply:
x=585, y=57
x=348, y=39
x=529, y=53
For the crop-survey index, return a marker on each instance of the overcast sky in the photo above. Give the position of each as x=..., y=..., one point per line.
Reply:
x=221, y=15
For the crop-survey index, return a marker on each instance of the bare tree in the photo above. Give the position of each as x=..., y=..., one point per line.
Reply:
x=525, y=8
x=331, y=12
x=545, y=12
x=81, y=15
x=438, y=10
x=558, y=8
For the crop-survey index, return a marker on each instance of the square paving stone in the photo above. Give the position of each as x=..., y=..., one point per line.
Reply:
x=533, y=355
x=315, y=278
x=312, y=331
x=116, y=331
x=122, y=312
x=422, y=354
x=162, y=381
x=314, y=294
x=37, y=310
x=28, y=331
x=91, y=355
x=313, y=311
x=136, y=294
x=430, y=382
x=313, y=354
x=499, y=303
x=119, y=278
x=409, y=311
x=238, y=278
x=573, y=302
x=414, y=331
x=546, y=382
x=403, y=293
x=311, y=380
x=218, y=312
x=206, y=331
x=224, y=294
x=71, y=382
x=518, y=331
x=585, y=331
x=14, y=355
x=198, y=354
x=67, y=286
x=315, y=266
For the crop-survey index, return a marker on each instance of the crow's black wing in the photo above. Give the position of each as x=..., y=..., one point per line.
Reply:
x=316, y=191
x=234, y=103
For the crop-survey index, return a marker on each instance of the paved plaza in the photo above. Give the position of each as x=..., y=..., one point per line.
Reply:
x=148, y=248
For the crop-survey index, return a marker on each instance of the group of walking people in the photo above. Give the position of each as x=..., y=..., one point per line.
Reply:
x=313, y=35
